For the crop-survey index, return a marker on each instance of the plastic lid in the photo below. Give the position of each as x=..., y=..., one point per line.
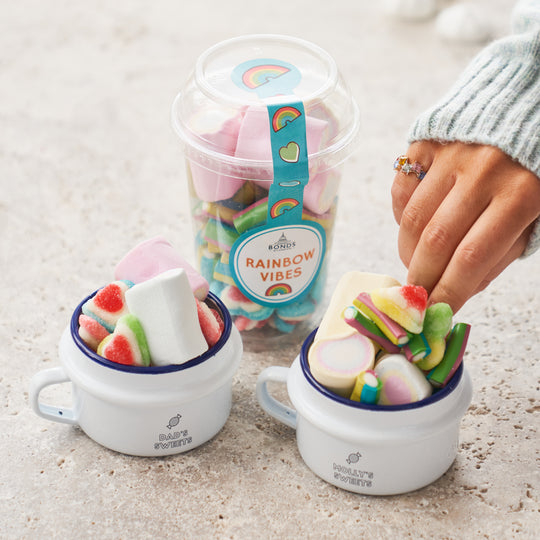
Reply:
x=223, y=103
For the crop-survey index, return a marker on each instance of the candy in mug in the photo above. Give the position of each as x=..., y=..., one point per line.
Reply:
x=143, y=410
x=366, y=448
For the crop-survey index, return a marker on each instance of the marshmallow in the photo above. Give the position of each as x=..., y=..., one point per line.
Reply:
x=402, y=382
x=321, y=191
x=254, y=139
x=336, y=363
x=326, y=220
x=221, y=136
x=167, y=310
x=154, y=256
x=333, y=325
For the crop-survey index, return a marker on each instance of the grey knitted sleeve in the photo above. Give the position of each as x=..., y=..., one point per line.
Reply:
x=496, y=100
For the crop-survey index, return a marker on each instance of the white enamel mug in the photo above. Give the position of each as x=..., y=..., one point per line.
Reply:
x=144, y=411
x=370, y=449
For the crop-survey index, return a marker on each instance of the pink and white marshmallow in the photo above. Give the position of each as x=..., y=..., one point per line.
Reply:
x=336, y=363
x=402, y=381
x=221, y=135
x=167, y=311
x=254, y=139
x=154, y=256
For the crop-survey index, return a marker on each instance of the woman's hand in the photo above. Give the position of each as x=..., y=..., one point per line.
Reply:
x=466, y=221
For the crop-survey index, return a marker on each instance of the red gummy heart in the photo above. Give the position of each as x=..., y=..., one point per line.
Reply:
x=415, y=296
x=109, y=298
x=220, y=321
x=210, y=322
x=119, y=350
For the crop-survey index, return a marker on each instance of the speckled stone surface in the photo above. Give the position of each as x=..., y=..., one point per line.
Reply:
x=89, y=166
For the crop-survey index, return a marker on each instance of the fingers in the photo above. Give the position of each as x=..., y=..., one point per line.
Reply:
x=486, y=250
x=419, y=213
x=444, y=230
x=466, y=221
x=404, y=185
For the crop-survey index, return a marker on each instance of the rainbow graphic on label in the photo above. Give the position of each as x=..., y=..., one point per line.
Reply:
x=278, y=288
x=283, y=116
x=282, y=206
x=259, y=75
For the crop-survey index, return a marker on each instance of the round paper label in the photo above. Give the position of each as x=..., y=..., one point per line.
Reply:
x=277, y=265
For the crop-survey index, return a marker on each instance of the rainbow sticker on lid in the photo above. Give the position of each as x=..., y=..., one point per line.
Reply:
x=267, y=77
x=263, y=74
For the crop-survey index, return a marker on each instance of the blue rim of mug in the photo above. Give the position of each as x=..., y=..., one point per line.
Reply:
x=436, y=396
x=212, y=300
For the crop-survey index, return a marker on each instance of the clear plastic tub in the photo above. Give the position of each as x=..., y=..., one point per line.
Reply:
x=264, y=248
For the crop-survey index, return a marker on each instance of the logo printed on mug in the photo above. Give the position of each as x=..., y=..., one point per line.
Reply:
x=174, y=421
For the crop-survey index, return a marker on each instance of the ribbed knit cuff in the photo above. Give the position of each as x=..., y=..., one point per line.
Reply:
x=496, y=102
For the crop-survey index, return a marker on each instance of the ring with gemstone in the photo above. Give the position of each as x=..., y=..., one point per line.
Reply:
x=403, y=164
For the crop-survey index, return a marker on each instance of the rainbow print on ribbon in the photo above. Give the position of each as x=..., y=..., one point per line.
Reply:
x=282, y=206
x=259, y=75
x=283, y=116
x=278, y=288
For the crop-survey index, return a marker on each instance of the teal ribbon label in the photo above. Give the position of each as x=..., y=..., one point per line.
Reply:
x=277, y=263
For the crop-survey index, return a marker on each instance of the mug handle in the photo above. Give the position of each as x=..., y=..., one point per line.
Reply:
x=39, y=381
x=270, y=404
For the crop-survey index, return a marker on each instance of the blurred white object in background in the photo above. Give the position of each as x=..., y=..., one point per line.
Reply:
x=411, y=9
x=464, y=22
